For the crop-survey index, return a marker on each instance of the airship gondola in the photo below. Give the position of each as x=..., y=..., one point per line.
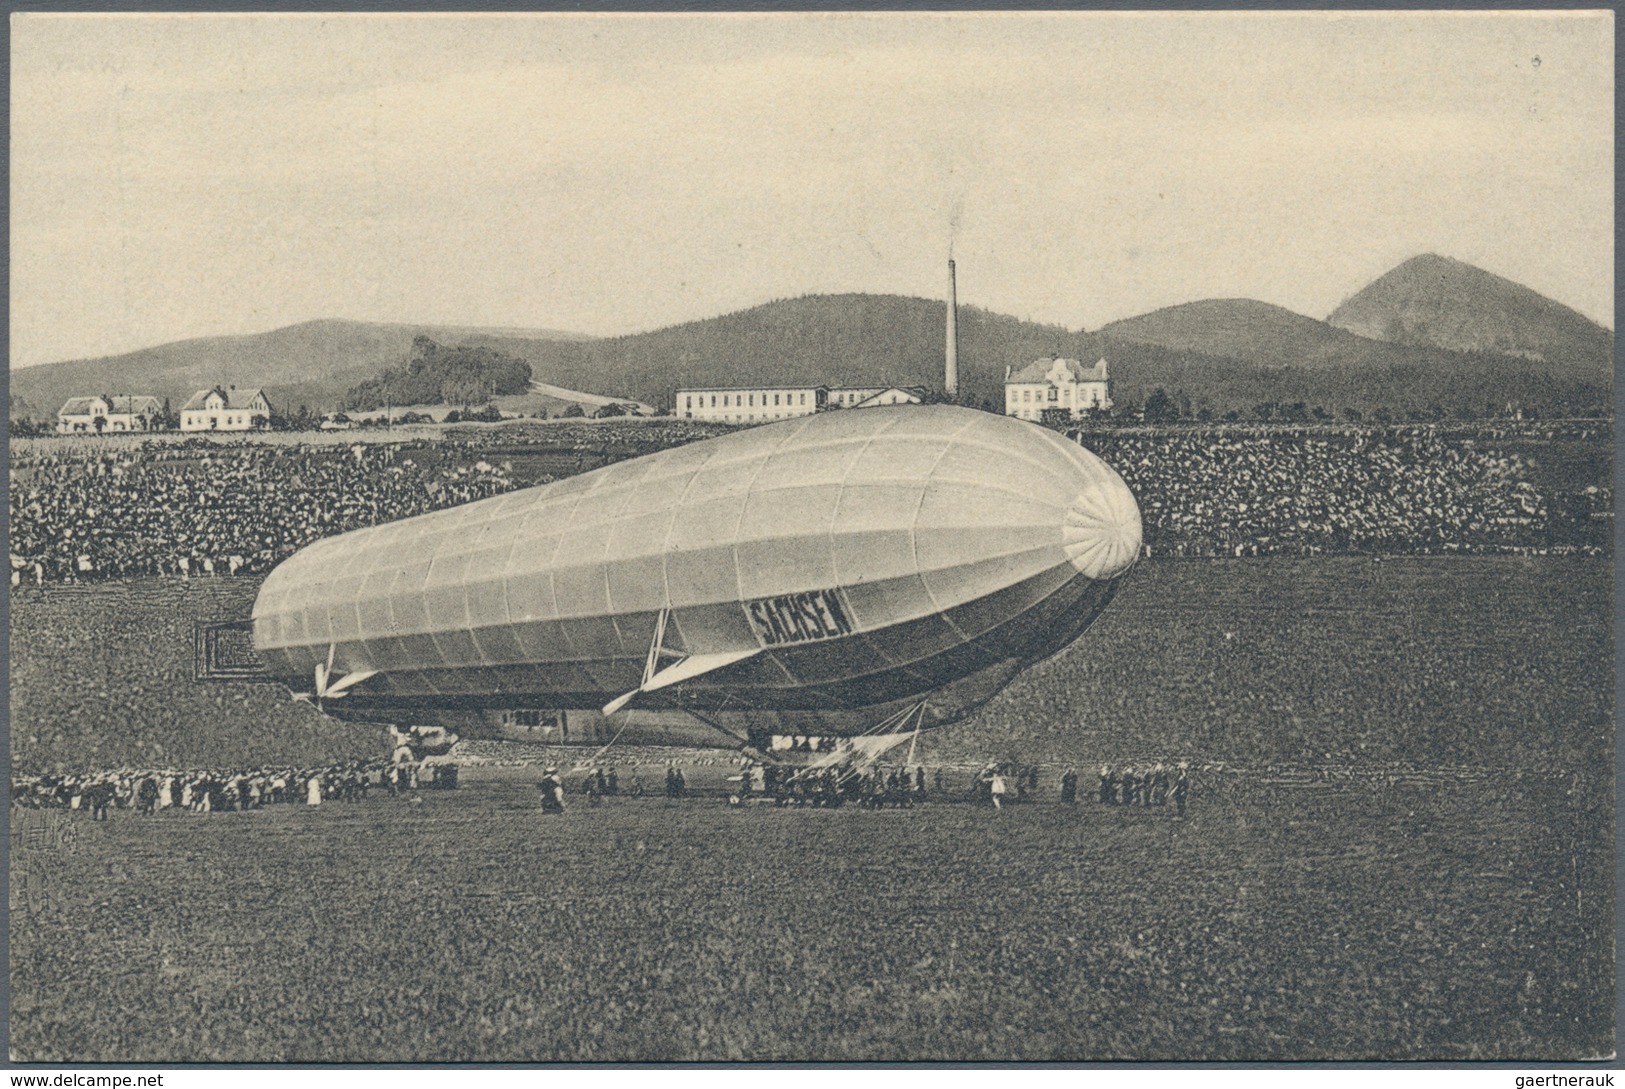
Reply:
x=815, y=576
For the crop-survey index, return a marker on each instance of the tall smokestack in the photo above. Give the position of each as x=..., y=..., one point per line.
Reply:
x=950, y=375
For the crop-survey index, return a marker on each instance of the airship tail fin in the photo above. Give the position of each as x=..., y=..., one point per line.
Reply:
x=694, y=665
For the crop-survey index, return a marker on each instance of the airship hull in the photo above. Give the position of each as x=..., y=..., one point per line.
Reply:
x=834, y=566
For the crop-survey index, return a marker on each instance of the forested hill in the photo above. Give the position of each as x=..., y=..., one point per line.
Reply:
x=313, y=363
x=1219, y=354
x=1222, y=354
x=820, y=339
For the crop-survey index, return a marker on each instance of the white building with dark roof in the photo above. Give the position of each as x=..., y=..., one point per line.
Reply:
x=226, y=409
x=110, y=413
x=1056, y=383
x=750, y=404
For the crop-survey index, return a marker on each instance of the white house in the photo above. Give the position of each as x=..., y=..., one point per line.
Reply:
x=227, y=409
x=1056, y=383
x=101, y=414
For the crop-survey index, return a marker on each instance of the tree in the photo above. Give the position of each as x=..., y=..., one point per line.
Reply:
x=1057, y=419
x=610, y=410
x=572, y=411
x=1160, y=408
x=1353, y=415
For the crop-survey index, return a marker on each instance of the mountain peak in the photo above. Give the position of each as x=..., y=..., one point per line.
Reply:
x=1435, y=301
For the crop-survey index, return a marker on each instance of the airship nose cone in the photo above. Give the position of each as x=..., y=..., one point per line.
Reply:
x=1101, y=533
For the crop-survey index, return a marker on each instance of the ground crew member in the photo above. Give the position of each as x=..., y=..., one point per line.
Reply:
x=552, y=788
x=1069, y=786
x=146, y=796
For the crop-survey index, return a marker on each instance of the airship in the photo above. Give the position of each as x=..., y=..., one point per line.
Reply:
x=834, y=575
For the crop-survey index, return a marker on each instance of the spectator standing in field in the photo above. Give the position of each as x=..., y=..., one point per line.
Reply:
x=1069, y=786
x=919, y=781
x=614, y=783
x=313, y=791
x=1108, y=785
x=997, y=788
x=552, y=788
x=146, y=796
x=1159, y=785
x=1181, y=790
x=101, y=799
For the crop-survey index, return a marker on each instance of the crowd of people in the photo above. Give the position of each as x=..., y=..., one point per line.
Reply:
x=1406, y=490
x=81, y=514
x=1148, y=787
x=847, y=779
x=149, y=791
x=636, y=433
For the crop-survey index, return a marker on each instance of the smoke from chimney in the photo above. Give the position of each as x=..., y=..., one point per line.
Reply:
x=950, y=374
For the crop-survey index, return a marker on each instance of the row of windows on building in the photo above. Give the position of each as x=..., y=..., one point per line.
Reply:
x=739, y=400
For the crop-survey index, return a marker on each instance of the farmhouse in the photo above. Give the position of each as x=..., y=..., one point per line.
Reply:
x=226, y=409
x=105, y=413
x=1056, y=383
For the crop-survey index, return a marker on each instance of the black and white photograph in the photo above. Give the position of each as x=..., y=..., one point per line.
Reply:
x=811, y=537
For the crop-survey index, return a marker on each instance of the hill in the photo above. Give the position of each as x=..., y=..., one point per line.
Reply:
x=1439, y=302
x=314, y=363
x=849, y=339
x=1219, y=354
x=1274, y=354
x=1247, y=329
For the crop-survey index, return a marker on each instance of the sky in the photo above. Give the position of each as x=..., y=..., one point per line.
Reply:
x=189, y=175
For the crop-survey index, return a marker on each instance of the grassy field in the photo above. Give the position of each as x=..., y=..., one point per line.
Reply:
x=1464, y=922
x=1452, y=916
x=1481, y=660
